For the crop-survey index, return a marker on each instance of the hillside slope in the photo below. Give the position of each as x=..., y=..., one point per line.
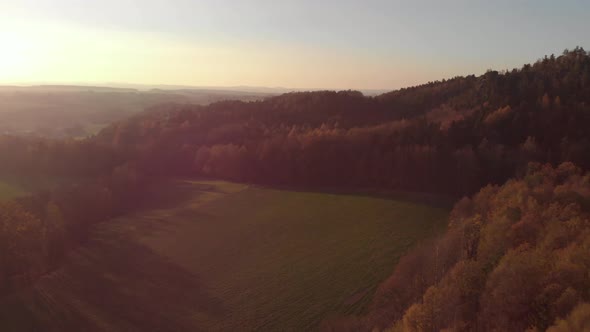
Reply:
x=226, y=256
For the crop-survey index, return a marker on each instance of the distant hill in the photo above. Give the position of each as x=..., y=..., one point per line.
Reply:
x=60, y=111
x=62, y=88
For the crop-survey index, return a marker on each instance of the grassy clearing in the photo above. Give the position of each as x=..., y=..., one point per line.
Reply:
x=14, y=186
x=214, y=255
x=9, y=190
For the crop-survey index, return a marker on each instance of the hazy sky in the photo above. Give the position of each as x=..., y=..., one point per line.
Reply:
x=295, y=43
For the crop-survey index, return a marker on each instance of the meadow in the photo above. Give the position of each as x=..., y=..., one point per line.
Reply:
x=9, y=190
x=212, y=255
x=13, y=186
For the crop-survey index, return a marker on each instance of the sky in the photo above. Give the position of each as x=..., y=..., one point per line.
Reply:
x=370, y=44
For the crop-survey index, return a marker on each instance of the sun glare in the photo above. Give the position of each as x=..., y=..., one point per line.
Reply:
x=16, y=57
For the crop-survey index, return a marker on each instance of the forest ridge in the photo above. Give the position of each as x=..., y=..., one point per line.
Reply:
x=452, y=136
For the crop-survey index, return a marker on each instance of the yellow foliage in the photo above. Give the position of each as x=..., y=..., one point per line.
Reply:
x=498, y=115
x=577, y=321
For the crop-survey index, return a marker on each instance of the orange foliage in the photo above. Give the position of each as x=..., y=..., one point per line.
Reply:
x=523, y=265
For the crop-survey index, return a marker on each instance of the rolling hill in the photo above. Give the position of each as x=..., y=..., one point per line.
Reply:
x=211, y=255
x=58, y=111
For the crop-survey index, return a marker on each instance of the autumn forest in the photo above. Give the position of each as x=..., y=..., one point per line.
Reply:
x=510, y=149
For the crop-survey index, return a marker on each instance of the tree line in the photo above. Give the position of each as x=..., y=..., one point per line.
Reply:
x=38, y=230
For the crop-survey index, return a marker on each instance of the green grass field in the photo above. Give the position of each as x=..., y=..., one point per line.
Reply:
x=14, y=186
x=214, y=255
x=9, y=190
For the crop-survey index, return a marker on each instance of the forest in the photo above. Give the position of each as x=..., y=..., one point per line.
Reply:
x=449, y=137
x=514, y=256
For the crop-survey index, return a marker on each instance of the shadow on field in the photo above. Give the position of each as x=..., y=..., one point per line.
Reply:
x=116, y=285
x=434, y=200
x=171, y=194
